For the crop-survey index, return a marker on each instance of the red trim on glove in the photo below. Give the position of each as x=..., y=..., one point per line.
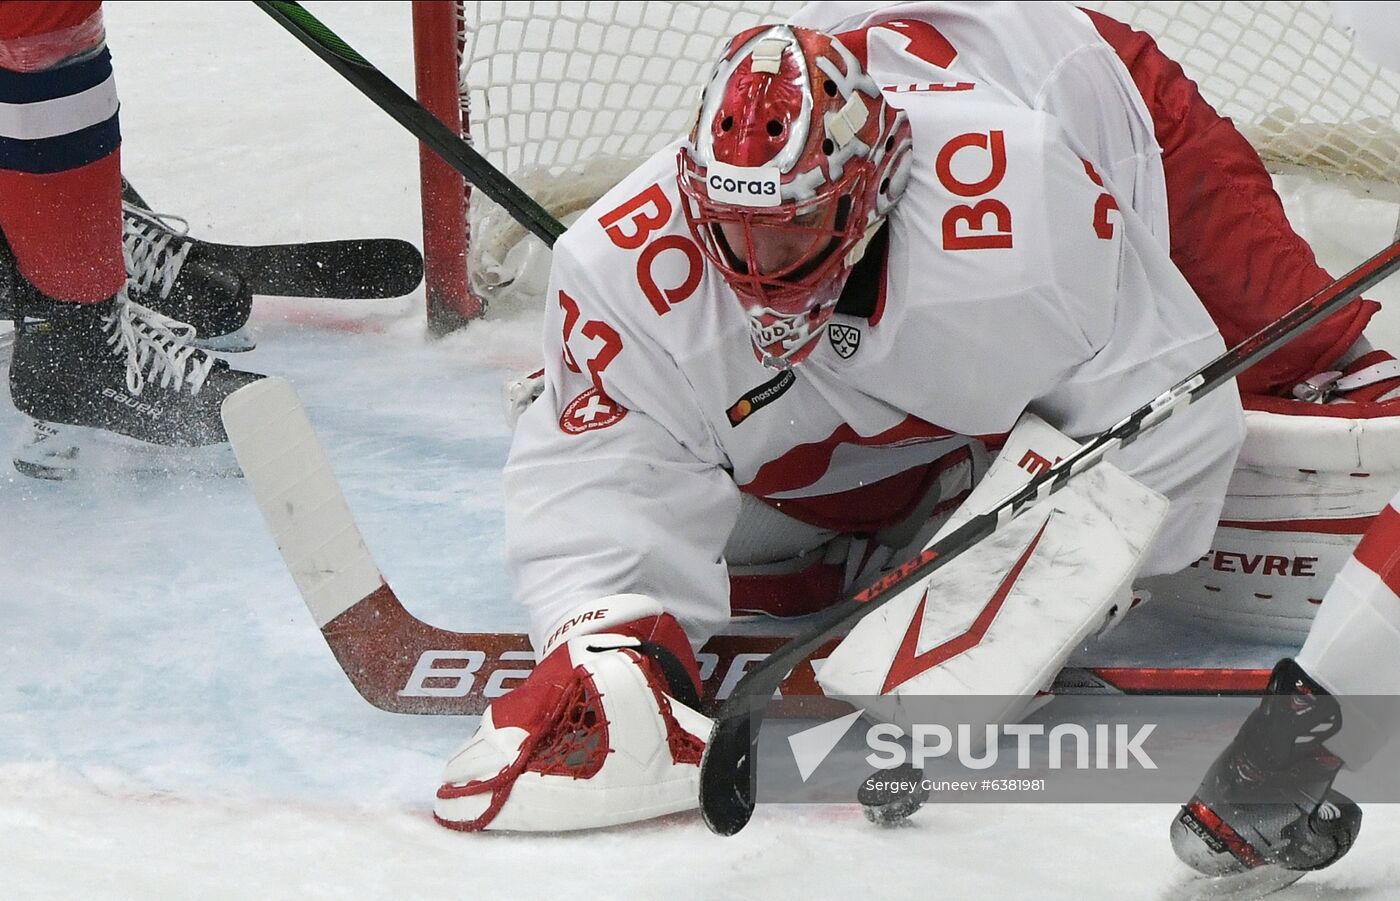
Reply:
x=665, y=631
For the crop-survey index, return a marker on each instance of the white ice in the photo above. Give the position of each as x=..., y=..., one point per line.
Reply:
x=171, y=723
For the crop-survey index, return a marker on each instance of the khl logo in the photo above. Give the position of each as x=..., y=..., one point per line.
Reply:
x=845, y=339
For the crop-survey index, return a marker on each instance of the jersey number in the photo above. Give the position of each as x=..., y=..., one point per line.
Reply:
x=594, y=330
x=1102, y=226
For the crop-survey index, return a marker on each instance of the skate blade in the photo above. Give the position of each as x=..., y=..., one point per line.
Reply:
x=1246, y=886
x=240, y=340
x=64, y=452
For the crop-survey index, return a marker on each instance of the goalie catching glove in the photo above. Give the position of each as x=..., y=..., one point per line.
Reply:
x=604, y=731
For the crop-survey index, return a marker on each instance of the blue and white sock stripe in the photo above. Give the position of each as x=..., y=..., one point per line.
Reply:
x=60, y=118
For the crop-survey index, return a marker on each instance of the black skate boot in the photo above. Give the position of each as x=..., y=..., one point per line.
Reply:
x=170, y=273
x=90, y=372
x=1266, y=812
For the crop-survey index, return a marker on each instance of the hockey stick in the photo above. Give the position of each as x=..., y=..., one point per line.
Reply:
x=409, y=113
x=400, y=664
x=346, y=269
x=349, y=269
x=727, y=776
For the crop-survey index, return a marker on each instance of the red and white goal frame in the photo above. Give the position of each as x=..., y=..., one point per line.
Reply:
x=565, y=97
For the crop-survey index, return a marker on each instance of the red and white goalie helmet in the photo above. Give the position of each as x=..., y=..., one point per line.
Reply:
x=794, y=162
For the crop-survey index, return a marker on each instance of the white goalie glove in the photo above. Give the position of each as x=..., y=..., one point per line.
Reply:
x=603, y=732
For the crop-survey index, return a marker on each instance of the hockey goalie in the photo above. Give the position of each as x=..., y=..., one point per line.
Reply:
x=907, y=253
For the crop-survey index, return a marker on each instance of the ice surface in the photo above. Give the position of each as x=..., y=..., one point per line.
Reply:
x=171, y=724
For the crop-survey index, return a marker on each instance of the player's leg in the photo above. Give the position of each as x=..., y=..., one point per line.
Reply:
x=1268, y=799
x=86, y=356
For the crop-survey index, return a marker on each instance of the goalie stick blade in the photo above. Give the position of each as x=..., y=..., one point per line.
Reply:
x=381, y=647
x=354, y=269
x=400, y=664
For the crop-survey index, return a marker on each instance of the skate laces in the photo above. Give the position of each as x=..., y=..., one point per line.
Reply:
x=156, y=347
x=147, y=239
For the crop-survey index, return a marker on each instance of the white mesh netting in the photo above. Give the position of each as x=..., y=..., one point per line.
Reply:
x=1290, y=79
x=589, y=88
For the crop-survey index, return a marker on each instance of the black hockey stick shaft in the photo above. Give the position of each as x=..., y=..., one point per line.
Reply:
x=727, y=773
x=409, y=113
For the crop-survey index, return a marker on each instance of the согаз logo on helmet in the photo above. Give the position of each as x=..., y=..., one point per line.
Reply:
x=744, y=185
x=764, y=188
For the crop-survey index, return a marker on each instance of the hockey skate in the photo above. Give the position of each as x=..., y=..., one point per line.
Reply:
x=1266, y=812
x=114, y=386
x=173, y=275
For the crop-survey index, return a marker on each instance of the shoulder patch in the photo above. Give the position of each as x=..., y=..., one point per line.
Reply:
x=590, y=411
x=845, y=339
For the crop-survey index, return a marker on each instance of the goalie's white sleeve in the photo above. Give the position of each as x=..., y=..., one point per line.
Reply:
x=620, y=486
x=1011, y=281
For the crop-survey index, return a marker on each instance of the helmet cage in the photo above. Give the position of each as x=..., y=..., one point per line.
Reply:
x=841, y=157
x=823, y=222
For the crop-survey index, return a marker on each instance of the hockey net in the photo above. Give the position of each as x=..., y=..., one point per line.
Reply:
x=566, y=97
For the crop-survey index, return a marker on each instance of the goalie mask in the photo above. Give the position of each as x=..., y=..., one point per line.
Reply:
x=794, y=162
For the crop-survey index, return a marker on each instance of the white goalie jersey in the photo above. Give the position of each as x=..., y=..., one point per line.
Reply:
x=1007, y=279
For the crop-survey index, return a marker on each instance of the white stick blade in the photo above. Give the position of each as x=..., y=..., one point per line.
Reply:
x=299, y=497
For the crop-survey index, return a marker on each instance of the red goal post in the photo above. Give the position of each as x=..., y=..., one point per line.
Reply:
x=565, y=97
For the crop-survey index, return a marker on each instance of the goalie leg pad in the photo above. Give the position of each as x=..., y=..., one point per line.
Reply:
x=1309, y=483
x=1002, y=618
x=603, y=732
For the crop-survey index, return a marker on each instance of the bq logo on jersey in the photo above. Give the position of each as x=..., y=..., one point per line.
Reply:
x=760, y=397
x=743, y=186
x=845, y=339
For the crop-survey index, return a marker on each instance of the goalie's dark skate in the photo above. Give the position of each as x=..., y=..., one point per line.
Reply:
x=89, y=373
x=1266, y=812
